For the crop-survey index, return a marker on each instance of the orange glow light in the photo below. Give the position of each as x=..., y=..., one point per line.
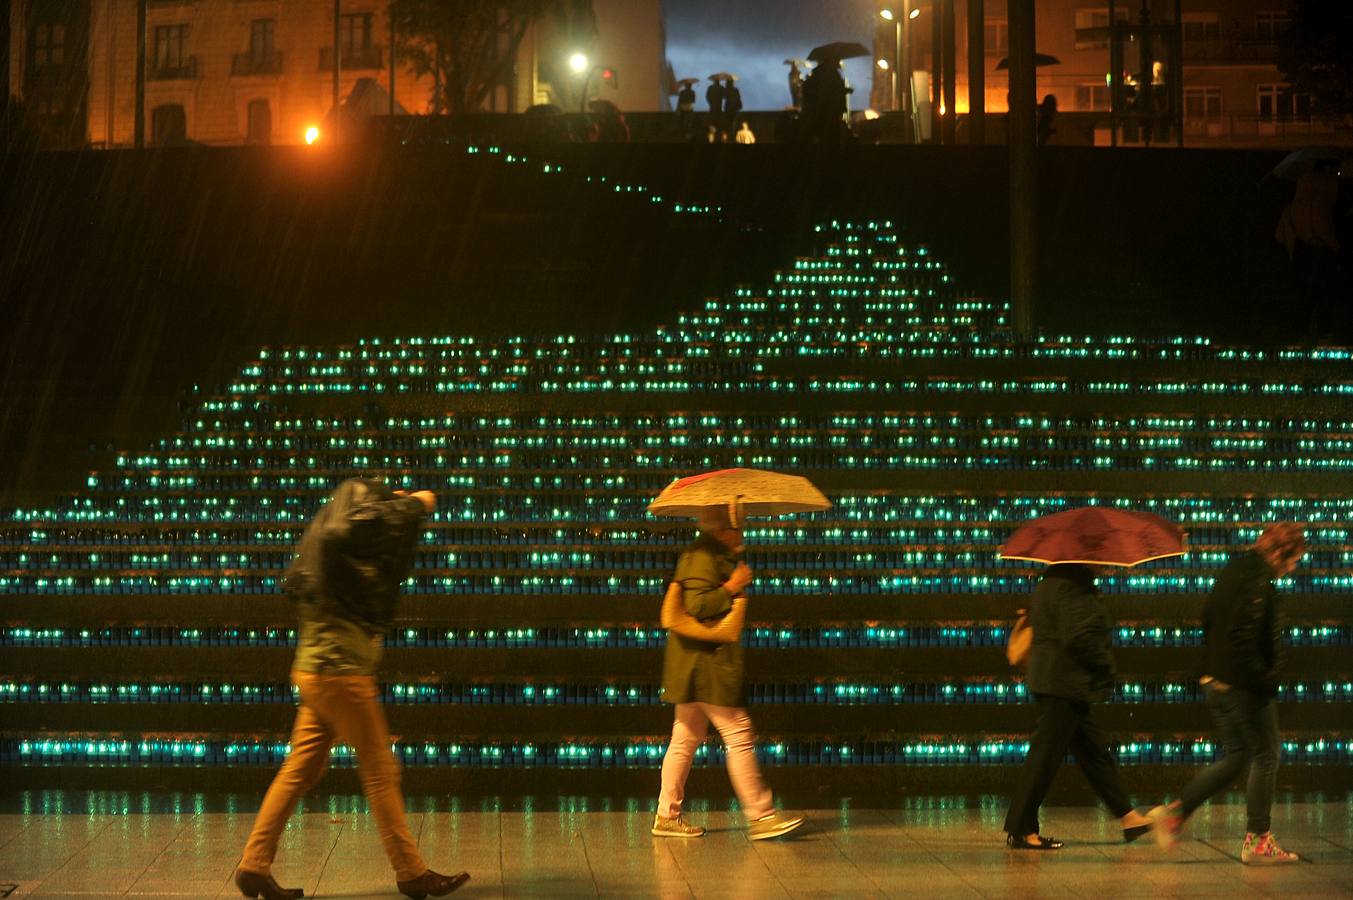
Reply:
x=311, y=134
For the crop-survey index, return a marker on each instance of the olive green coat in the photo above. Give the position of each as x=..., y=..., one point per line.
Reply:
x=696, y=671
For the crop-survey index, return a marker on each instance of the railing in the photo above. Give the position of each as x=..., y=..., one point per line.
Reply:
x=1235, y=49
x=353, y=57
x=184, y=70
x=257, y=63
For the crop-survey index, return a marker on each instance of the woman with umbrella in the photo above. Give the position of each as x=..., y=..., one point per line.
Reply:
x=1070, y=664
x=704, y=678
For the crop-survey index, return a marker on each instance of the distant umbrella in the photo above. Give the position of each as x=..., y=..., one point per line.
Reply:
x=1040, y=59
x=543, y=109
x=603, y=107
x=686, y=82
x=801, y=63
x=723, y=76
x=838, y=50
x=1298, y=163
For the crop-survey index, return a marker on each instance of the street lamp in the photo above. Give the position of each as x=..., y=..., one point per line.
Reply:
x=578, y=63
x=901, y=63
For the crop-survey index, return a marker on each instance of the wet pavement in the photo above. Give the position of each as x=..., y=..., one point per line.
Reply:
x=928, y=850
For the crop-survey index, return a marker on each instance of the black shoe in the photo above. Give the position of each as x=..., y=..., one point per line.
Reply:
x=1044, y=843
x=1136, y=831
x=252, y=884
x=432, y=884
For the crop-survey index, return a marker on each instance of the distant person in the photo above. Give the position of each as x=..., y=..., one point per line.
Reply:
x=714, y=96
x=1307, y=229
x=1071, y=668
x=1047, y=114
x=706, y=683
x=1243, y=630
x=824, y=103
x=686, y=98
x=732, y=104
x=745, y=135
x=795, y=85
x=345, y=581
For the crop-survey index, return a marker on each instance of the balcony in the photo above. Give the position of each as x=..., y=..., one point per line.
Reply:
x=256, y=63
x=1246, y=126
x=369, y=57
x=1236, y=49
x=184, y=70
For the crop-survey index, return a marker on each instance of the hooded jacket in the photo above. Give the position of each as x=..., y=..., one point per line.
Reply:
x=1071, y=655
x=346, y=575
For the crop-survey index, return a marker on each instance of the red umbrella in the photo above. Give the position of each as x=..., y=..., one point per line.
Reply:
x=1097, y=535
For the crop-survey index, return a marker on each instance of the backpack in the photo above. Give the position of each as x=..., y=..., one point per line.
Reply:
x=1021, y=641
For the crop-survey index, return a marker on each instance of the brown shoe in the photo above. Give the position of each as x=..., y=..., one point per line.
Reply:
x=432, y=884
x=252, y=884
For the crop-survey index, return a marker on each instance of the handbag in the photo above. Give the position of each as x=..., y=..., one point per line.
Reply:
x=1021, y=641
x=675, y=619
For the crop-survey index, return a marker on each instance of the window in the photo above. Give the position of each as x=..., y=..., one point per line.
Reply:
x=1270, y=24
x=171, y=43
x=1279, y=101
x=1092, y=95
x=261, y=41
x=49, y=45
x=354, y=33
x=1202, y=103
x=259, y=126
x=997, y=37
x=1202, y=27
x=168, y=125
x=1092, y=27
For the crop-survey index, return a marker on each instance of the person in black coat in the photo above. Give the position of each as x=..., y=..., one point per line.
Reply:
x=1242, y=625
x=1070, y=667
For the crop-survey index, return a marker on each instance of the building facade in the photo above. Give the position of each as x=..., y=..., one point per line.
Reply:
x=1232, y=94
x=227, y=72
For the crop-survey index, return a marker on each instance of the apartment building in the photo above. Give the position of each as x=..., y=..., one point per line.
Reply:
x=228, y=72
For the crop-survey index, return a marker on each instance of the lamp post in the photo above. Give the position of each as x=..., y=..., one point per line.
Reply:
x=580, y=65
x=903, y=99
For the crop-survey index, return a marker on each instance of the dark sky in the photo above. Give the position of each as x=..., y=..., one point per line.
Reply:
x=750, y=38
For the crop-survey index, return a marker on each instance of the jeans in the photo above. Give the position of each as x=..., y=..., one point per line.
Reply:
x=337, y=708
x=1247, y=727
x=735, y=727
x=1063, y=725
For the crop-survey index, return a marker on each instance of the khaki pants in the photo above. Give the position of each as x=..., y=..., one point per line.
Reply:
x=337, y=708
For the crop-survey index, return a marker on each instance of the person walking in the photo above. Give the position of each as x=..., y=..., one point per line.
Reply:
x=705, y=683
x=1242, y=627
x=745, y=134
x=345, y=580
x=795, y=84
x=1071, y=667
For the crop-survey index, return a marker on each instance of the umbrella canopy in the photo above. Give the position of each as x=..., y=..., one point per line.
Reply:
x=723, y=76
x=603, y=107
x=1096, y=535
x=1298, y=163
x=838, y=50
x=543, y=109
x=1040, y=59
x=801, y=63
x=753, y=492
x=685, y=82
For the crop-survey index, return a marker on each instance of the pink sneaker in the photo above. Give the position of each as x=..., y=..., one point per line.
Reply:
x=1165, y=825
x=1263, y=850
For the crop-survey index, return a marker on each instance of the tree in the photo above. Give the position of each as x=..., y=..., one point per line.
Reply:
x=1315, y=55
x=469, y=47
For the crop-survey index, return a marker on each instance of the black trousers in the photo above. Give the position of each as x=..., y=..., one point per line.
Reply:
x=1063, y=725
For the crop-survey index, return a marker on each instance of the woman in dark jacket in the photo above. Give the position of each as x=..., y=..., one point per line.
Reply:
x=1070, y=667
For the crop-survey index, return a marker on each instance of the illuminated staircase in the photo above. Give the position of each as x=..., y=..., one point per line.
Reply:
x=146, y=641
